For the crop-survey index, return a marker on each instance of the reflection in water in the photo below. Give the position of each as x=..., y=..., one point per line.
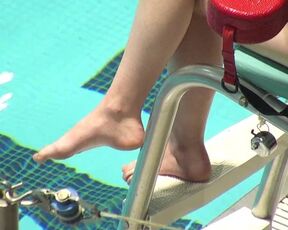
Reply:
x=4, y=78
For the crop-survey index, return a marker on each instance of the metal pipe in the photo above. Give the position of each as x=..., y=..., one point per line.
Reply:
x=269, y=190
x=158, y=131
x=8, y=216
x=9, y=212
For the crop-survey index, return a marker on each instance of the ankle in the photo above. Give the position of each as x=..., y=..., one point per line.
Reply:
x=192, y=158
x=120, y=109
x=182, y=144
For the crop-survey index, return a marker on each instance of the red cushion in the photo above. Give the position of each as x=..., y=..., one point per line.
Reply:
x=254, y=20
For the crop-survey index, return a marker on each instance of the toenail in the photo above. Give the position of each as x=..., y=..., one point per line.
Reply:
x=36, y=157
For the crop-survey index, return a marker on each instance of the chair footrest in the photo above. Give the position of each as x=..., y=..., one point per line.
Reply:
x=232, y=161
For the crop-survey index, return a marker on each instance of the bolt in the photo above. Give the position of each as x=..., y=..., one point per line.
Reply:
x=63, y=195
x=243, y=101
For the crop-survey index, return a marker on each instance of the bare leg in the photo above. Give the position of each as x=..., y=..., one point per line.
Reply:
x=159, y=27
x=275, y=49
x=185, y=155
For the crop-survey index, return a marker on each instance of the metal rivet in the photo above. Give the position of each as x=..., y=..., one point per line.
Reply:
x=63, y=195
x=243, y=101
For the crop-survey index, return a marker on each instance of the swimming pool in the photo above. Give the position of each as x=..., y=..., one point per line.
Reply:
x=63, y=56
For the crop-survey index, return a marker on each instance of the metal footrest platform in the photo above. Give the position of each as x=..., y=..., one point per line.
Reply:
x=280, y=220
x=173, y=198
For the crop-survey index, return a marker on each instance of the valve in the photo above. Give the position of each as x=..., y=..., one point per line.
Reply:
x=64, y=203
x=263, y=142
x=66, y=206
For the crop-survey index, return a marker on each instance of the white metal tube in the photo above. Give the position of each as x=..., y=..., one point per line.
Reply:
x=159, y=128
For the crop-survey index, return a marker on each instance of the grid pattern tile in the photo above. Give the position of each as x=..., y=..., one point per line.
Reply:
x=16, y=162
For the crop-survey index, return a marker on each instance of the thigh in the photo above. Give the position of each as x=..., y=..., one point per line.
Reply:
x=200, y=45
x=275, y=48
x=201, y=7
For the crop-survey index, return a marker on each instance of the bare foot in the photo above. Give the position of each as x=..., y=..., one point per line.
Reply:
x=190, y=164
x=103, y=126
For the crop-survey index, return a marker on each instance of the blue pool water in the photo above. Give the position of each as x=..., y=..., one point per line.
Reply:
x=53, y=49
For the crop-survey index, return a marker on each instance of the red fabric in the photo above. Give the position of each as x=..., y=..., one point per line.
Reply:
x=230, y=73
x=254, y=20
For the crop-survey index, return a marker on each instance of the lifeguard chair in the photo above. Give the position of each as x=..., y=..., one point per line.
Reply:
x=163, y=200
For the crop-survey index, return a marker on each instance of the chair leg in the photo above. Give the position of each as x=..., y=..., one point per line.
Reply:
x=273, y=178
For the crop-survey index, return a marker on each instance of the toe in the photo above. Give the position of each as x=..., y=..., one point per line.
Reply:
x=53, y=151
x=127, y=176
x=129, y=166
x=128, y=171
x=129, y=179
x=43, y=155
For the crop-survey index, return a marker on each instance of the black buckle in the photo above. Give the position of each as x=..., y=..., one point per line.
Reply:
x=235, y=90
